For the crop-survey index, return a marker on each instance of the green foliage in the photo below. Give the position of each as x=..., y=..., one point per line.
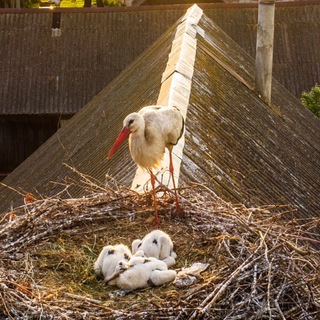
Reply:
x=112, y=3
x=311, y=100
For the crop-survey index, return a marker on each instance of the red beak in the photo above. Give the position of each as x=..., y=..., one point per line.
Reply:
x=123, y=135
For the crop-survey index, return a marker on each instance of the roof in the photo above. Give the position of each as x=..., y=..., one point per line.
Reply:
x=46, y=74
x=243, y=149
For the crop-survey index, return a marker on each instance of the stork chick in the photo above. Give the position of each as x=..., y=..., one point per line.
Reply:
x=141, y=273
x=156, y=244
x=150, y=131
x=109, y=258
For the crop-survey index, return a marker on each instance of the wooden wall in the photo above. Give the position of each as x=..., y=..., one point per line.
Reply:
x=20, y=136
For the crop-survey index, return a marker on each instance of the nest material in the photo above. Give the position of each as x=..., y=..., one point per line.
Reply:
x=260, y=266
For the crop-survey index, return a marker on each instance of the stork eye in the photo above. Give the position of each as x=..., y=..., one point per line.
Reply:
x=130, y=122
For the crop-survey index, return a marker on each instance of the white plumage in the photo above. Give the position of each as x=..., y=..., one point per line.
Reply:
x=141, y=273
x=150, y=131
x=153, y=129
x=109, y=258
x=156, y=244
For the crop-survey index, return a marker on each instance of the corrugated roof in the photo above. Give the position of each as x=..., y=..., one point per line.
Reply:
x=59, y=75
x=84, y=142
x=42, y=74
x=245, y=150
x=250, y=152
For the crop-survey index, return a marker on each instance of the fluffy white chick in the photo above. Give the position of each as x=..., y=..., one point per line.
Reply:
x=156, y=244
x=140, y=272
x=109, y=258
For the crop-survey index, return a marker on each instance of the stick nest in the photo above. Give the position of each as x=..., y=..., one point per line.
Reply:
x=260, y=265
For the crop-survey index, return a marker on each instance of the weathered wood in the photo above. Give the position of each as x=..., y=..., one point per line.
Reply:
x=264, y=51
x=242, y=149
x=20, y=136
x=89, y=53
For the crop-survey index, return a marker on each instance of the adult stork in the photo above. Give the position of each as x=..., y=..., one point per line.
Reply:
x=150, y=131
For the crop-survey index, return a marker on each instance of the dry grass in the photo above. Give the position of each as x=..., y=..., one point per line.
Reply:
x=260, y=267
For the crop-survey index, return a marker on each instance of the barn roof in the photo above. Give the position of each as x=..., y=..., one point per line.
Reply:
x=43, y=73
x=243, y=149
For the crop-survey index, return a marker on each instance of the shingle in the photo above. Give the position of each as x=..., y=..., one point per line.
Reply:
x=41, y=74
x=244, y=150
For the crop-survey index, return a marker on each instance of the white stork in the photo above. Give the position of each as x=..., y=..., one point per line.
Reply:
x=156, y=244
x=150, y=131
x=109, y=258
x=141, y=272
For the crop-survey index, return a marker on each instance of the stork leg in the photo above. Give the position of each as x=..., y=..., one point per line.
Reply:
x=154, y=197
x=178, y=208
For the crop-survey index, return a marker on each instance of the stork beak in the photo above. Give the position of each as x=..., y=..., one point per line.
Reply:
x=123, y=135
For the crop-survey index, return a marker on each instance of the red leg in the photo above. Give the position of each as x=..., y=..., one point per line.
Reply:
x=154, y=197
x=174, y=184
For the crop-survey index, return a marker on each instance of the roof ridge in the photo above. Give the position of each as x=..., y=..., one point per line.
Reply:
x=175, y=91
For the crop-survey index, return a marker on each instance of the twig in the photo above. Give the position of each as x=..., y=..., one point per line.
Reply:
x=211, y=299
